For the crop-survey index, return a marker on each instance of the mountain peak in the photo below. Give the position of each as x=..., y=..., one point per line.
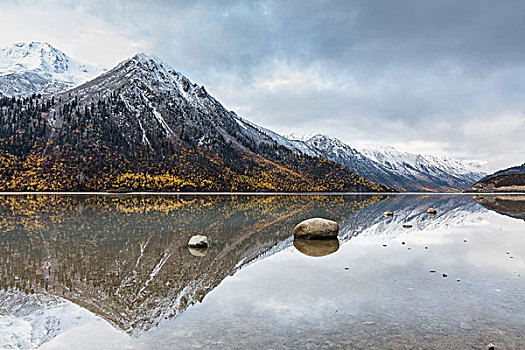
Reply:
x=318, y=138
x=34, y=55
x=39, y=67
x=149, y=62
x=148, y=58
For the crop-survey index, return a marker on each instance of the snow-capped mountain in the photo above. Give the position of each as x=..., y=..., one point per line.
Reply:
x=436, y=165
x=426, y=171
x=38, y=67
x=400, y=170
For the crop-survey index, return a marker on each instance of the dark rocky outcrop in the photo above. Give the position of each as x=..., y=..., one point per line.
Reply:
x=508, y=180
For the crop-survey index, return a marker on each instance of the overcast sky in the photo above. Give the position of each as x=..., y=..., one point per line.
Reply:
x=443, y=76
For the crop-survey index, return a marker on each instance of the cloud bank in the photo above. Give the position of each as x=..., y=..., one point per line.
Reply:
x=437, y=77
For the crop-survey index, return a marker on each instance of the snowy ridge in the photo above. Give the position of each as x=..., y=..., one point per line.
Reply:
x=388, y=166
x=37, y=67
x=408, y=163
x=297, y=146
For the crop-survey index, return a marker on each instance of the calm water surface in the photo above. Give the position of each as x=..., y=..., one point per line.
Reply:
x=114, y=272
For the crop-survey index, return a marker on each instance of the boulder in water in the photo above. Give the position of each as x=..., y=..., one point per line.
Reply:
x=316, y=228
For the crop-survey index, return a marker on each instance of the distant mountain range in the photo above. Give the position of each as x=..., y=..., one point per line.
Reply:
x=385, y=165
x=507, y=180
x=144, y=126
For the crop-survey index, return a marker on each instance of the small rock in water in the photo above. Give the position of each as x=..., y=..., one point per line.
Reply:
x=465, y=325
x=432, y=271
x=458, y=280
x=445, y=275
x=491, y=346
x=198, y=252
x=388, y=213
x=384, y=245
x=407, y=225
x=198, y=241
x=426, y=247
x=403, y=243
x=465, y=240
x=431, y=211
x=346, y=268
x=316, y=228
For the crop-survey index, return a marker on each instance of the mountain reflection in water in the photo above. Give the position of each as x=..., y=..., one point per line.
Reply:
x=125, y=258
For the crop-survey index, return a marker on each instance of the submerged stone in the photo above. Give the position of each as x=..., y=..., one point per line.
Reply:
x=316, y=248
x=198, y=241
x=198, y=252
x=432, y=211
x=316, y=228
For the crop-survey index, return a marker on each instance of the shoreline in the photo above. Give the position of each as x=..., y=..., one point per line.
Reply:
x=264, y=193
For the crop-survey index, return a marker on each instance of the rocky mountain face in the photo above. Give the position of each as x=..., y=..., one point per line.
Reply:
x=507, y=180
x=39, y=68
x=386, y=165
x=144, y=126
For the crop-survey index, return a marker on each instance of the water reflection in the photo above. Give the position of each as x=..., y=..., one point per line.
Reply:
x=125, y=257
x=316, y=247
x=510, y=205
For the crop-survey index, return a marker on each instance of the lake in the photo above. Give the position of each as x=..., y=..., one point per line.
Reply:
x=114, y=272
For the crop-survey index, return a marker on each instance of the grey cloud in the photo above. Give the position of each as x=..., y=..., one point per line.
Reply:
x=382, y=72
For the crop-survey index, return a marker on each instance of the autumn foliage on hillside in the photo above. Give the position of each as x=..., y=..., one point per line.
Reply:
x=59, y=145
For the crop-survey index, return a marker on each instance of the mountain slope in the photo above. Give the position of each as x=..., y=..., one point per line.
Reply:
x=507, y=180
x=144, y=126
x=36, y=67
x=400, y=170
